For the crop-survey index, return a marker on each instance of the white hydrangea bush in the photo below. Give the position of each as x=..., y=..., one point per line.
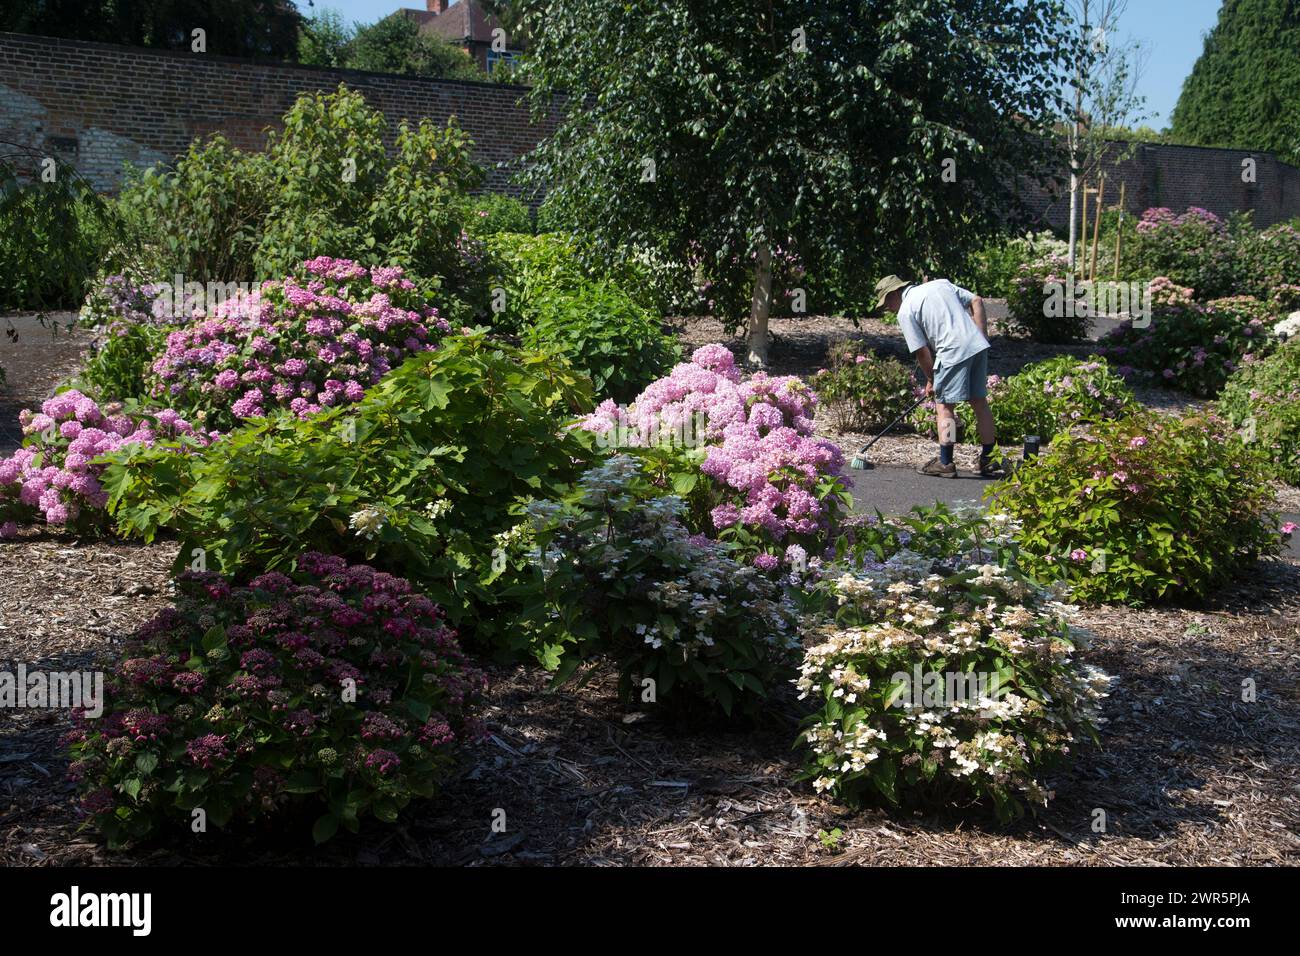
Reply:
x=620, y=575
x=942, y=677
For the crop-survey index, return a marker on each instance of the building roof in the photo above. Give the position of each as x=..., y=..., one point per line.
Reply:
x=461, y=21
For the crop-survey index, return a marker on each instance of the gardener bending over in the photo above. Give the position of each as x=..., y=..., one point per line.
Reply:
x=946, y=329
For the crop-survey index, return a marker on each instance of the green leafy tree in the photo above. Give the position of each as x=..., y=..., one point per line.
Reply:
x=881, y=134
x=396, y=45
x=325, y=40
x=1244, y=91
x=232, y=27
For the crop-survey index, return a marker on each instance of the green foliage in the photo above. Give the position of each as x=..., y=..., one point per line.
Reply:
x=603, y=333
x=530, y=268
x=1195, y=249
x=1143, y=508
x=491, y=213
x=1243, y=89
x=1037, y=305
x=921, y=700
x=991, y=270
x=395, y=44
x=618, y=574
x=760, y=142
x=1270, y=260
x=52, y=235
x=1043, y=399
x=863, y=392
x=1188, y=345
x=252, y=28
x=324, y=40
x=417, y=477
x=1263, y=400
x=230, y=704
x=120, y=363
x=203, y=218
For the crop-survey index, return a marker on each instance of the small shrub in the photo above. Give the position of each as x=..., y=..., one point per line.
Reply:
x=940, y=677
x=863, y=392
x=56, y=476
x=1043, y=399
x=1263, y=399
x=231, y=702
x=602, y=332
x=1188, y=345
x=1143, y=508
x=991, y=270
x=620, y=575
x=120, y=362
x=1040, y=314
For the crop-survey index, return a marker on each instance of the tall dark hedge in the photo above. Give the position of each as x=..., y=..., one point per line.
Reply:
x=1244, y=91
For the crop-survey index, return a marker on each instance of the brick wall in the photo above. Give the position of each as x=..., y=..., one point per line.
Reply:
x=1182, y=176
x=101, y=105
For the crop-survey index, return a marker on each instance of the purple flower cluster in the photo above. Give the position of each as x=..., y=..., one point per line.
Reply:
x=1161, y=216
x=758, y=433
x=53, y=475
x=306, y=343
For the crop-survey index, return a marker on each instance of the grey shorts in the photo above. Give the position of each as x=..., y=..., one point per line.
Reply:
x=963, y=381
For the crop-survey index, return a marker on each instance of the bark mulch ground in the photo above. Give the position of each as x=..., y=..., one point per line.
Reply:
x=1188, y=773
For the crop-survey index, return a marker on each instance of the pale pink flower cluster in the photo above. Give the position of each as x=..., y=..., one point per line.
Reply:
x=758, y=436
x=53, y=475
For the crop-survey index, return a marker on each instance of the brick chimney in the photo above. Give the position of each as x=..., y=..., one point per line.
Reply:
x=436, y=6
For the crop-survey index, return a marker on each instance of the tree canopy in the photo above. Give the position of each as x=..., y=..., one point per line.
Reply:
x=881, y=134
x=266, y=28
x=1244, y=91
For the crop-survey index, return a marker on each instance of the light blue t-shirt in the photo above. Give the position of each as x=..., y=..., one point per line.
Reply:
x=934, y=314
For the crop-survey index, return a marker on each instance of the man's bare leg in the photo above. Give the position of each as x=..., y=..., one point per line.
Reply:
x=983, y=420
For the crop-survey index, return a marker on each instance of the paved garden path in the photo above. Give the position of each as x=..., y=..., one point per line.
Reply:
x=893, y=490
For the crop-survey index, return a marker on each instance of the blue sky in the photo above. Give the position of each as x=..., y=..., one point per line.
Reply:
x=1172, y=31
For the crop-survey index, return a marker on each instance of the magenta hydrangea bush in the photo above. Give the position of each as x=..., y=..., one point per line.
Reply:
x=311, y=341
x=1187, y=344
x=337, y=691
x=770, y=481
x=54, y=477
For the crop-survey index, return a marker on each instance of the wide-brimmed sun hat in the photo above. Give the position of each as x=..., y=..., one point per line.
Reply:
x=885, y=286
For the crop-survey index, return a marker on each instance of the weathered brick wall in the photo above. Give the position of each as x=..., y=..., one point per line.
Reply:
x=1182, y=176
x=99, y=105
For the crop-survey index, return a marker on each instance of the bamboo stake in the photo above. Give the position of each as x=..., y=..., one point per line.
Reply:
x=1096, y=227
x=1084, y=233
x=1119, y=232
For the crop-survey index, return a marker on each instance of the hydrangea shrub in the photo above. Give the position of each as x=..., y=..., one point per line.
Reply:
x=56, y=476
x=1194, y=248
x=1027, y=311
x=862, y=392
x=752, y=472
x=311, y=341
x=1142, y=508
x=337, y=691
x=1190, y=345
x=941, y=682
x=1262, y=400
x=1042, y=399
x=619, y=574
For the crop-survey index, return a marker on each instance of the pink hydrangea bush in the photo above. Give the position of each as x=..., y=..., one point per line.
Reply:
x=1187, y=344
x=54, y=477
x=311, y=341
x=337, y=690
x=770, y=482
